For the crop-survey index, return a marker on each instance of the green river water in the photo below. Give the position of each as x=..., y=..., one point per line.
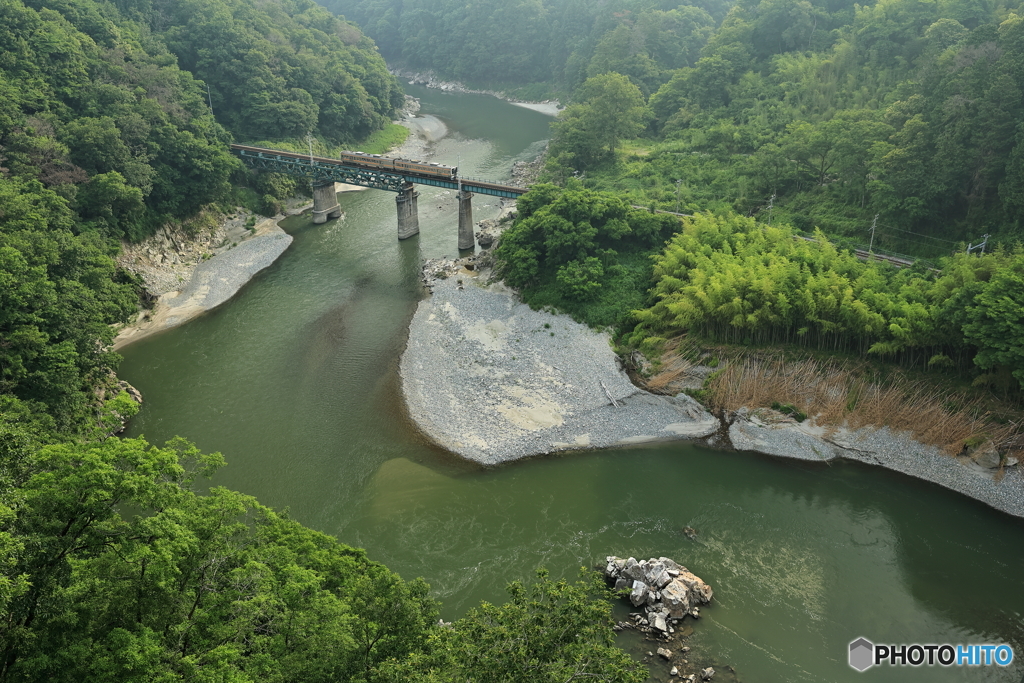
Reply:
x=295, y=381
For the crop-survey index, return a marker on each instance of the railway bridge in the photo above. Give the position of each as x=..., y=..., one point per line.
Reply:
x=382, y=173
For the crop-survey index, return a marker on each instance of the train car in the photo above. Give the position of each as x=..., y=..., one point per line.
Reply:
x=408, y=165
x=427, y=168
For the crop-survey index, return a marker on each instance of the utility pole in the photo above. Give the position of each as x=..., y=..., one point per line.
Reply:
x=209, y=99
x=873, y=224
x=972, y=247
x=679, y=184
x=771, y=205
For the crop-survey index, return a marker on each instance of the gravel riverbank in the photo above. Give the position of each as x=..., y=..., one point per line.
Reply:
x=490, y=379
x=880, y=446
x=203, y=285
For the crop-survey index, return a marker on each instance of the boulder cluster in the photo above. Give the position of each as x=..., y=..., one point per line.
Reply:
x=666, y=591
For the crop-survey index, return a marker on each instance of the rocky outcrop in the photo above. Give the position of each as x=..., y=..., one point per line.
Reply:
x=666, y=591
x=524, y=173
x=489, y=231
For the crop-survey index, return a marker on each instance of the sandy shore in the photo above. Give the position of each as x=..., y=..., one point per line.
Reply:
x=549, y=108
x=213, y=282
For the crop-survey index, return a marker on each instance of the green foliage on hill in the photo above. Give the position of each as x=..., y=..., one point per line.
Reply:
x=276, y=69
x=731, y=279
x=828, y=114
x=113, y=569
x=608, y=109
x=548, y=631
x=59, y=293
x=96, y=111
x=581, y=251
x=530, y=41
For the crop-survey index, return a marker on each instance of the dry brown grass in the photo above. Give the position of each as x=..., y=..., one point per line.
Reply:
x=672, y=368
x=835, y=395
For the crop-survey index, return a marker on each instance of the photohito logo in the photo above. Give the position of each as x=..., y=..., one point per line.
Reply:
x=864, y=654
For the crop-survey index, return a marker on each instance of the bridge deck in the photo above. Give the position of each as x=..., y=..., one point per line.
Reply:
x=323, y=170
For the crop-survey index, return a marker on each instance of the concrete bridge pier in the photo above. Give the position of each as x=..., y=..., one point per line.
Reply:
x=465, y=219
x=408, y=218
x=325, y=202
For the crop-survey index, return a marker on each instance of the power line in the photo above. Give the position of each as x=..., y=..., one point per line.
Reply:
x=889, y=227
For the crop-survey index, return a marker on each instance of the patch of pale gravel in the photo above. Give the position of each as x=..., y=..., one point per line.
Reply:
x=896, y=451
x=211, y=283
x=218, y=279
x=492, y=380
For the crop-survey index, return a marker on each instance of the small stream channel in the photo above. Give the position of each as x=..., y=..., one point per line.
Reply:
x=295, y=381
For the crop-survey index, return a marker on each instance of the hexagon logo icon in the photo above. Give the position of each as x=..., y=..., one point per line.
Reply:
x=862, y=654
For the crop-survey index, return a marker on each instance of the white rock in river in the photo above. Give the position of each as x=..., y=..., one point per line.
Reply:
x=639, y=594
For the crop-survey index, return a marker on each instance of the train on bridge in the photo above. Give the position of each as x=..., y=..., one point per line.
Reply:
x=374, y=161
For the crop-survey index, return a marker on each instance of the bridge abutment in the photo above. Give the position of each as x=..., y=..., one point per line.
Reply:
x=408, y=218
x=325, y=202
x=465, y=219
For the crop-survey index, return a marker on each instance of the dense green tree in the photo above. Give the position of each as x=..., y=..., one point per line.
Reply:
x=609, y=108
x=114, y=569
x=994, y=319
x=547, y=631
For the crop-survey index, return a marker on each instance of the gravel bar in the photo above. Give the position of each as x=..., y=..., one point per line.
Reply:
x=218, y=279
x=492, y=380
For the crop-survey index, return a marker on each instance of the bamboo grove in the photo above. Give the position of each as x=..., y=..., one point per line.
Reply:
x=735, y=280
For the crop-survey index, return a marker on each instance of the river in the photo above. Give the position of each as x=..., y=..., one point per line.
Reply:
x=295, y=381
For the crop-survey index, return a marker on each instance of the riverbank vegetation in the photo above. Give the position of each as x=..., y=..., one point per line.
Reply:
x=847, y=394
x=731, y=279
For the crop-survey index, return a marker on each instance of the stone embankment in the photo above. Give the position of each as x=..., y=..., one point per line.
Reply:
x=665, y=593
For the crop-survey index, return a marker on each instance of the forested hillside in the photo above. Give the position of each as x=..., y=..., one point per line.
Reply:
x=558, y=42
x=841, y=111
x=277, y=69
x=106, y=134
x=828, y=114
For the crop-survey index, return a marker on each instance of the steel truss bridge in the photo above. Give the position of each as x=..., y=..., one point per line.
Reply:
x=321, y=172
